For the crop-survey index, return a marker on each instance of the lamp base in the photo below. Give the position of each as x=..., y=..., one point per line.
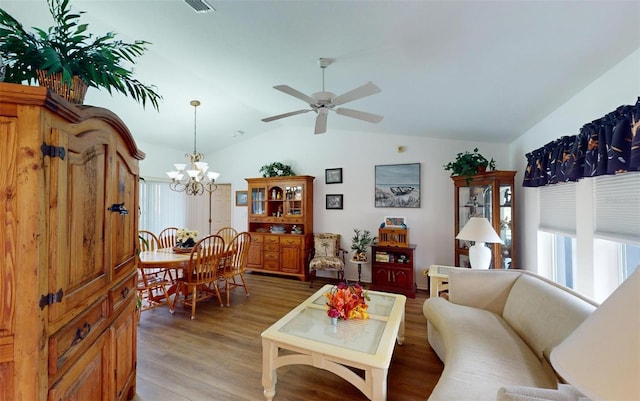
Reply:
x=479, y=256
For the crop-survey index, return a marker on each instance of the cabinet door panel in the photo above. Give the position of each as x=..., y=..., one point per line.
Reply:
x=123, y=238
x=124, y=341
x=290, y=259
x=77, y=220
x=88, y=379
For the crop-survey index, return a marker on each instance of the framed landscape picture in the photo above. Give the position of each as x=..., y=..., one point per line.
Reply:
x=333, y=176
x=397, y=185
x=334, y=201
x=242, y=198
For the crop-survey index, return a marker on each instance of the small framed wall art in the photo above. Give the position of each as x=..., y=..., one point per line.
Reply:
x=334, y=201
x=242, y=198
x=333, y=176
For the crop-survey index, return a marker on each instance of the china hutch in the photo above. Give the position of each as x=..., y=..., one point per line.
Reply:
x=487, y=195
x=280, y=220
x=392, y=269
x=69, y=195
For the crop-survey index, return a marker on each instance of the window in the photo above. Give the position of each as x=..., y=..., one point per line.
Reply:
x=160, y=207
x=558, y=252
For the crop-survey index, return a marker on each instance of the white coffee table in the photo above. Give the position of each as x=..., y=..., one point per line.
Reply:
x=362, y=344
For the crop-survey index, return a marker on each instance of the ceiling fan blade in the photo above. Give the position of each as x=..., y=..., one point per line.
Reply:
x=279, y=116
x=290, y=91
x=360, y=115
x=367, y=89
x=321, y=121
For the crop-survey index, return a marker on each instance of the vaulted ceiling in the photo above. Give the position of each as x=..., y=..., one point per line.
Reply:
x=475, y=70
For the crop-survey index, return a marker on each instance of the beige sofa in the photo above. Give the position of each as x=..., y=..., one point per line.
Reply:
x=496, y=332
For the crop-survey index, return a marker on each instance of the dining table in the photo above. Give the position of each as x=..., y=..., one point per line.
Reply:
x=165, y=259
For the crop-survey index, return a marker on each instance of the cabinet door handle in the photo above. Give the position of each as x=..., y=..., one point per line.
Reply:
x=119, y=208
x=124, y=292
x=82, y=332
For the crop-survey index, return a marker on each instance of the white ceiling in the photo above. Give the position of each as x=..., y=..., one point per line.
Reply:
x=474, y=70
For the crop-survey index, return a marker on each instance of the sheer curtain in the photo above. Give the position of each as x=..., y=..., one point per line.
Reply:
x=160, y=207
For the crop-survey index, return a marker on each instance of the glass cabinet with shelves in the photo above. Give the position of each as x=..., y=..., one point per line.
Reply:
x=280, y=221
x=487, y=195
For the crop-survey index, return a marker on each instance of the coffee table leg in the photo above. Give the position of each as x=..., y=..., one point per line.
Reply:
x=269, y=377
x=379, y=380
x=400, y=337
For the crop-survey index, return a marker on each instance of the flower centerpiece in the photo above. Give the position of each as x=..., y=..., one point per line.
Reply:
x=185, y=238
x=347, y=302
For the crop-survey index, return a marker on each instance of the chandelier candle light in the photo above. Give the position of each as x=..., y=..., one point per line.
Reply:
x=479, y=229
x=193, y=177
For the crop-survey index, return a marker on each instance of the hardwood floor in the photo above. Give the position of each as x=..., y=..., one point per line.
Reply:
x=218, y=356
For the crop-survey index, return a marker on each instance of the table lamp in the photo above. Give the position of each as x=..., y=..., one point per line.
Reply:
x=601, y=358
x=479, y=230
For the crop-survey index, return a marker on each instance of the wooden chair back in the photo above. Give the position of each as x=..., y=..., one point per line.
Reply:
x=235, y=263
x=148, y=241
x=167, y=237
x=228, y=233
x=206, y=258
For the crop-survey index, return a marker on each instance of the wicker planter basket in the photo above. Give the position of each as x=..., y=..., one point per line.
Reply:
x=74, y=94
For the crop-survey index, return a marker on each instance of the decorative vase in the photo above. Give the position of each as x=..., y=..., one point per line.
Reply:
x=334, y=321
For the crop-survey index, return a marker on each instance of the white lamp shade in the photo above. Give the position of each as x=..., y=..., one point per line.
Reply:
x=180, y=166
x=601, y=358
x=478, y=229
x=173, y=174
x=213, y=175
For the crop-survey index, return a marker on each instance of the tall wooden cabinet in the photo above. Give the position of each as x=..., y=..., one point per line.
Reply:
x=487, y=195
x=281, y=224
x=69, y=196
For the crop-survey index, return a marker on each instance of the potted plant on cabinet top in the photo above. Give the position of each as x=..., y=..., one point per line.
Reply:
x=71, y=59
x=468, y=164
x=359, y=243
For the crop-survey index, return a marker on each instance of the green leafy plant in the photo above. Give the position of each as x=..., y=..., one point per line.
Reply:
x=67, y=48
x=359, y=243
x=276, y=169
x=468, y=164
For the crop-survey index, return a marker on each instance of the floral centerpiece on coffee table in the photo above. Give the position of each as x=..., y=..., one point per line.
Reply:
x=347, y=302
x=185, y=238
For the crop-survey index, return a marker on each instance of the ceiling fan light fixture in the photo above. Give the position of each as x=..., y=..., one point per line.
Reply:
x=200, y=6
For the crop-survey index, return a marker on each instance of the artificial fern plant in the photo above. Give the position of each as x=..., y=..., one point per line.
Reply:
x=67, y=48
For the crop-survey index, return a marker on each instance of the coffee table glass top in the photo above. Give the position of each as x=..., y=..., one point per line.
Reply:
x=359, y=335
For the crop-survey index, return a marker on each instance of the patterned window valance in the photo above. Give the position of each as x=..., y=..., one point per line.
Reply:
x=608, y=145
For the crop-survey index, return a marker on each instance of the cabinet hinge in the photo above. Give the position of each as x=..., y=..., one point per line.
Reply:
x=51, y=298
x=53, y=151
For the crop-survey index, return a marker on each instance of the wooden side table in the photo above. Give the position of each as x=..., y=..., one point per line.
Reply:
x=438, y=279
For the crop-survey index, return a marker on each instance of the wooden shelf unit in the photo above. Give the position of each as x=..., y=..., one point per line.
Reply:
x=68, y=322
x=395, y=272
x=285, y=202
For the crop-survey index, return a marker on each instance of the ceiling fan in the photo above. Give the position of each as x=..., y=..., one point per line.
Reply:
x=323, y=102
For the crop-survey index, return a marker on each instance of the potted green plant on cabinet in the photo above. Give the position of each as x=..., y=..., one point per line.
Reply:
x=68, y=57
x=468, y=164
x=359, y=243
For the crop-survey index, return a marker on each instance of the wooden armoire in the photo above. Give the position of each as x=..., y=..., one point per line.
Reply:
x=69, y=196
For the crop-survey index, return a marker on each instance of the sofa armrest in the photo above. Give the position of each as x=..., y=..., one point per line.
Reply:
x=485, y=289
x=521, y=393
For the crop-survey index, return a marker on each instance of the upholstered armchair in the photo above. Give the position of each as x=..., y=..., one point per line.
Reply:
x=326, y=255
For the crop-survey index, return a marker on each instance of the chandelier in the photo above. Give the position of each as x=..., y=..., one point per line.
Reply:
x=193, y=177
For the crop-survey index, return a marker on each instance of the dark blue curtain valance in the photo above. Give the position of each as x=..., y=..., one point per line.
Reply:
x=608, y=145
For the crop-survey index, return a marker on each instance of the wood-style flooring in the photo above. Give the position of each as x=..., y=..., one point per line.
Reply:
x=218, y=356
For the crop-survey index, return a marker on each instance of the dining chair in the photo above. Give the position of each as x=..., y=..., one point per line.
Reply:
x=152, y=282
x=167, y=237
x=326, y=256
x=200, y=279
x=235, y=263
x=227, y=233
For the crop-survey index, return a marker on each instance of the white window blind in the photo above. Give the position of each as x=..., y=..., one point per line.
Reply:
x=617, y=207
x=160, y=207
x=558, y=208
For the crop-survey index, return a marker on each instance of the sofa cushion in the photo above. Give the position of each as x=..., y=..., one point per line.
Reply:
x=542, y=313
x=564, y=392
x=483, y=354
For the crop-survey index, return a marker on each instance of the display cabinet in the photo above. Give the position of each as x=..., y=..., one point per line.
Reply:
x=280, y=220
x=69, y=180
x=392, y=269
x=487, y=195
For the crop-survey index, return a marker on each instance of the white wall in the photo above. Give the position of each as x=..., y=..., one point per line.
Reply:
x=431, y=225
x=620, y=85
